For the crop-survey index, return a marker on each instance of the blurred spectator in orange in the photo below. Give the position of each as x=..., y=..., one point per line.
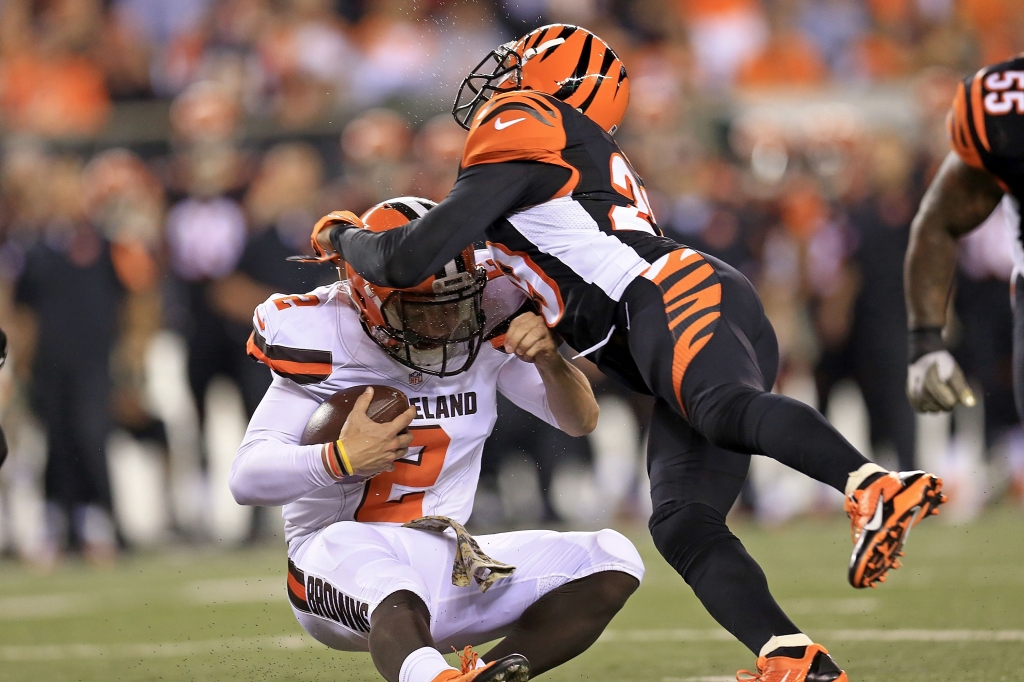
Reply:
x=998, y=26
x=788, y=59
x=880, y=56
x=723, y=35
x=49, y=84
x=70, y=287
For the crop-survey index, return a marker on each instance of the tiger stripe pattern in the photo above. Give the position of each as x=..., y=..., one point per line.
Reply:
x=587, y=72
x=692, y=292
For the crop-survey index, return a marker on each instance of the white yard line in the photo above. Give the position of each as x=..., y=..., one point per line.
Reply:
x=825, y=635
x=59, y=652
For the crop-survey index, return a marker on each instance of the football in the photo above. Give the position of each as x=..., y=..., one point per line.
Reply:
x=326, y=421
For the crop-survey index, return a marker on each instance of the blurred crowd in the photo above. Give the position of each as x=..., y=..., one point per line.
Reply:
x=296, y=62
x=792, y=138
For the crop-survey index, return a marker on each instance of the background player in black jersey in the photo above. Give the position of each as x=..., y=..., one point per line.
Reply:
x=567, y=219
x=986, y=166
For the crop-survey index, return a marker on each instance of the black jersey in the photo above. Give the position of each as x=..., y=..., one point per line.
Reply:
x=565, y=217
x=986, y=123
x=576, y=253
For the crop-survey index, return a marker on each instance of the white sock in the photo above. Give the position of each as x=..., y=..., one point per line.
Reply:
x=858, y=476
x=777, y=642
x=423, y=665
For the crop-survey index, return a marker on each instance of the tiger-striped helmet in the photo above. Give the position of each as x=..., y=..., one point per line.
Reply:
x=435, y=327
x=568, y=62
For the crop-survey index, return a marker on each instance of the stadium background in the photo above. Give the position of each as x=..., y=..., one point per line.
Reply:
x=160, y=158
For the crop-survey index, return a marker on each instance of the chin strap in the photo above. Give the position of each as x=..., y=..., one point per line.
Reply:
x=332, y=219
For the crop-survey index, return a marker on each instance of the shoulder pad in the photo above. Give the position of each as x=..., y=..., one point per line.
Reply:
x=516, y=126
x=293, y=334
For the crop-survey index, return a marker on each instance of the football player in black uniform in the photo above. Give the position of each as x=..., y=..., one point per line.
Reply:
x=567, y=218
x=986, y=167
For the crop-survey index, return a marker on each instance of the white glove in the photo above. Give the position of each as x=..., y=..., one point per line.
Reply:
x=935, y=383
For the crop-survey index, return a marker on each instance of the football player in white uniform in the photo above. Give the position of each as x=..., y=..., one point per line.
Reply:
x=357, y=579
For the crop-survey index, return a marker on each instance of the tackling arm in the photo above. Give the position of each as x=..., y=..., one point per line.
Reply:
x=406, y=256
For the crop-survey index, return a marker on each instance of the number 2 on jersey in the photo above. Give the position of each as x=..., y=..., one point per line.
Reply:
x=296, y=301
x=397, y=496
x=636, y=216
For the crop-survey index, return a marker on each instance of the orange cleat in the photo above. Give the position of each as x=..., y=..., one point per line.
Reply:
x=882, y=511
x=511, y=668
x=814, y=666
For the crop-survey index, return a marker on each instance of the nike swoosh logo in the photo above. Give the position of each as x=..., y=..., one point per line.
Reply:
x=499, y=125
x=876, y=521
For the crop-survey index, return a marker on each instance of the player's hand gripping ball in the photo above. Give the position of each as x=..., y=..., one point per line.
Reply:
x=529, y=339
x=372, y=423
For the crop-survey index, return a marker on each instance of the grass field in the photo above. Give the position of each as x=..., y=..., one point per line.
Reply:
x=955, y=613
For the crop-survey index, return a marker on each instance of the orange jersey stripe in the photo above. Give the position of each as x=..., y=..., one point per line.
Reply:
x=686, y=349
x=297, y=588
x=689, y=282
x=701, y=300
x=286, y=367
x=978, y=111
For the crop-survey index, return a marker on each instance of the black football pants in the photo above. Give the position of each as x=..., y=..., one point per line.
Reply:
x=699, y=338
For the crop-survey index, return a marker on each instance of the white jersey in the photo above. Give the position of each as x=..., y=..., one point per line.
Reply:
x=316, y=346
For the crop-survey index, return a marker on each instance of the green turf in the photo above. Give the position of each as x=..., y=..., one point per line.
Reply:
x=221, y=607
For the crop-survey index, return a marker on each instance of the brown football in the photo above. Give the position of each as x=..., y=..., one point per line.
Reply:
x=326, y=422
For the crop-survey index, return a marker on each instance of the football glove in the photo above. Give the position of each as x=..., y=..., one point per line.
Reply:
x=935, y=383
x=323, y=255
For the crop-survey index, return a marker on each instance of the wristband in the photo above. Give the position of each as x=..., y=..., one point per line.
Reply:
x=331, y=463
x=924, y=340
x=339, y=451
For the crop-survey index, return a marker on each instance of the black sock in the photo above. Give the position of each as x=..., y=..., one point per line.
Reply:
x=566, y=621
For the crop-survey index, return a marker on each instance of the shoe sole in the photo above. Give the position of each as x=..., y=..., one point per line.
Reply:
x=510, y=671
x=878, y=550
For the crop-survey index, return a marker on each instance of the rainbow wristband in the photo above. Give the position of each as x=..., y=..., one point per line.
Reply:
x=339, y=452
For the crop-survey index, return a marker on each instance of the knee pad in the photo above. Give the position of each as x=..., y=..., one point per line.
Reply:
x=684, y=535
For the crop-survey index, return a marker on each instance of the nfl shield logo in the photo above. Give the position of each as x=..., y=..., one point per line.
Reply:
x=415, y=378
